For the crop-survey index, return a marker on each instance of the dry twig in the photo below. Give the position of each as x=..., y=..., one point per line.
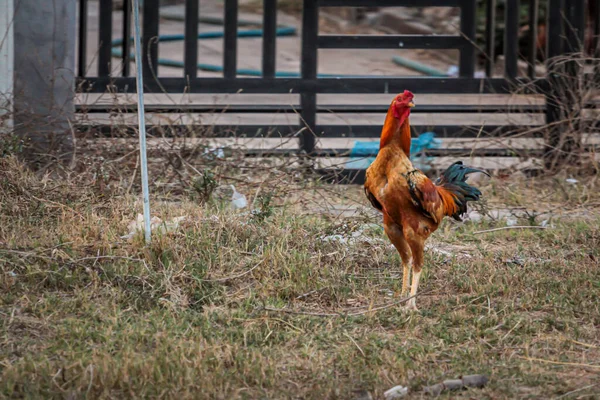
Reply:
x=505, y=228
x=346, y=313
x=229, y=278
x=560, y=362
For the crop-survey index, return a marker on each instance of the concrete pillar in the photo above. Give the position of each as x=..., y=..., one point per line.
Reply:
x=6, y=65
x=44, y=77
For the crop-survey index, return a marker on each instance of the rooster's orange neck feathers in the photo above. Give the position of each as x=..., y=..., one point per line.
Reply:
x=396, y=131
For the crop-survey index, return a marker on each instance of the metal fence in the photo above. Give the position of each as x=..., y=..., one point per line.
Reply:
x=566, y=22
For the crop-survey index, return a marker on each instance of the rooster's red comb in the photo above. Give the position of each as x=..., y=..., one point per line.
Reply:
x=406, y=96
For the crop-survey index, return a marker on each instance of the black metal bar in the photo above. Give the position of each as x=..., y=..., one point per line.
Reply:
x=150, y=41
x=575, y=28
x=511, y=38
x=126, y=45
x=308, y=103
x=554, y=39
x=82, y=44
x=416, y=85
x=230, y=39
x=554, y=36
x=490, y=37
x=208, y=131
x=324, y=131
x=389, y=3
x=575, y=32
x=457, y=152
x=435, y=108
x=392, y=42
x=269, y=38
x=308, y=98
x=190, y=68
x=467, y=27
x=533, y=27
x=455, y=131
x=105, y=38
x=323, y=85
x=595, y=15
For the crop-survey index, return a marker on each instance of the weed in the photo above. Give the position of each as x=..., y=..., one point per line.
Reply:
x=264, y=209
x=204, y=186
x=11, y=145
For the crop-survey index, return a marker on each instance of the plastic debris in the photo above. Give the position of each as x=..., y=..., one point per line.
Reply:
x=156, y=225
x=511, y=221
x=571, y=181
x=238, y=200
x=396, y=392
x=213, y=152
x=334, y=238
x=229, y=194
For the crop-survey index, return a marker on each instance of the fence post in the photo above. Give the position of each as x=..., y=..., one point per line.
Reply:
x=308, y=98
x=490, y=37
x=190, y=68
x=126, y=45
x=269, y=38
x=534, y=6
x=82, y=39
x=468, y=28
x=511, y=38
x=553, y=50
x=105, y=38
x=150, y=39
x=230, y=39
x=6, y=64
x=565, y=20
x=575, y=33
x=44, y=76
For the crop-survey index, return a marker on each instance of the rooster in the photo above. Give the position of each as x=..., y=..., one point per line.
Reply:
x=412, y=205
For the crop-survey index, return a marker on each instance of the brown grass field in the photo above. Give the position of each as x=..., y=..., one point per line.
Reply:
x=257, y=305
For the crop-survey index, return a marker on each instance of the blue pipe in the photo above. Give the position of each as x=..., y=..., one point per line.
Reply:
x=417, y=66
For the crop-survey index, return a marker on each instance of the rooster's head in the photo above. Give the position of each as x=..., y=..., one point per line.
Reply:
x=402, y=104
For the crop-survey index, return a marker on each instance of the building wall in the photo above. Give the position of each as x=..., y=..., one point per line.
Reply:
x=6, y=64
x=44, y=74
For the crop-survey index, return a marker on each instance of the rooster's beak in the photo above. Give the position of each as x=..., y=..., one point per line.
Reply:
x=411, y=104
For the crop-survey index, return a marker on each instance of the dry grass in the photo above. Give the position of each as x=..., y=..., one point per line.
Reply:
x=85, y=313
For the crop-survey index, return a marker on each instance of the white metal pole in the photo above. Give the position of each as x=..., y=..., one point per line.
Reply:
x=141, y=116
x=6, y=59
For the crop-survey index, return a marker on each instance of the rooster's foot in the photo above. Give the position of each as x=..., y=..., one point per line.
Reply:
x=411, y=305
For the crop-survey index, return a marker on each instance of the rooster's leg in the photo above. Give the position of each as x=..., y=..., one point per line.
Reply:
x=405, y=277
x=417, y=252
x=412, y=303
x=394, y=233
